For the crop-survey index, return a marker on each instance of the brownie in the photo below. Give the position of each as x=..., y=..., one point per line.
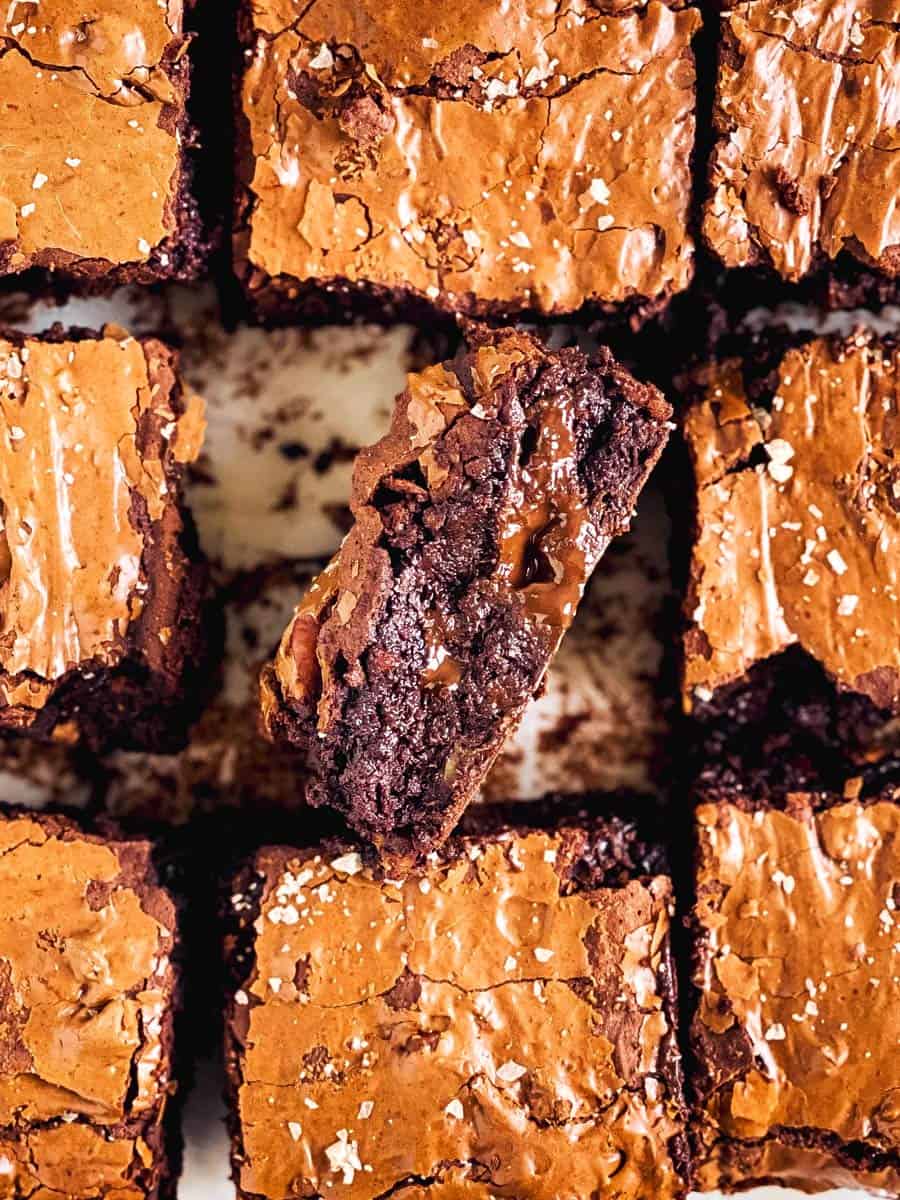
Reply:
x=102, y=586
x=477, y=521
x=93, y=102
x=485, y=159
x=500, y=1024
x=796, y=969
x=88, y=993
x=791, y=610
x=805, y=112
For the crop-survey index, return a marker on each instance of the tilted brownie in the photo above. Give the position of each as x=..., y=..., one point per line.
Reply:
x=792, y=608
x=477, y=521
x=486, y=158
x=94, y=180
x=100, y=631
x=500, y=1024
x=88, y=993
x=806, y=113
x=795, y=1032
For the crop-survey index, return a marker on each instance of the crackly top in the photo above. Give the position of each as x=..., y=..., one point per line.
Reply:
x=807, y=108
x=799, y=970
x=85, y=978
x=485, y=1023
x=477, y=521
x=91, y=97
x=533, y=154
x=798, y=524
x=91, y=435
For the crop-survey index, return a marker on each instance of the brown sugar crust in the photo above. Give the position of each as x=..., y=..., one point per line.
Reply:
x=487, y=159
x=797, y=520
x=477, y=521
x=806, y=112
x=489, y=1027
x=95, y=579
x=796, y=933
x=88, y=992
x=96, y=108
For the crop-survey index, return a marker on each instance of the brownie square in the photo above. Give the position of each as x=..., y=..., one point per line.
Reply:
x=94, y=180
x=487, y=159
x=791, y=610
x=100, y=631
x=88, y=992
x=477, y=521
x=796, y=968
x=500, y=1024
x=804, y=165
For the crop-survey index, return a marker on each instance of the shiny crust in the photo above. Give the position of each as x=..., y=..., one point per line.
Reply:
x=398, y=155
x=796, y=978
x=806, y=110
x=99, y=598
x=121, y=82
x=477, y=522
x=463, y=1048
x=88, y=992
x=812, y=458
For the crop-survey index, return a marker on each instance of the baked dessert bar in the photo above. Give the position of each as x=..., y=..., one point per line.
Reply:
x=502, y=1022
x=477, y=521
x=101, y=586
x=89, y=988
x=484, y=159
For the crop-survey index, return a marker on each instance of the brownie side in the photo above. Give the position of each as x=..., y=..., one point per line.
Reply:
x=788, y=652
x=92, y=963
x=792, y=992
x=458, y=1131
x=795, y=187
x=180, y=255
x=423, y=251
x=142, y=682
x=478, y=520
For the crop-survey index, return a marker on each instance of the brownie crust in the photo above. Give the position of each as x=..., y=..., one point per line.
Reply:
x=102, y=584
x=477, y=521
x=795, y=1066
x=418, y=156
x=804, y=168
x=500, y=1023
x=100, y=109
x=88, y=995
